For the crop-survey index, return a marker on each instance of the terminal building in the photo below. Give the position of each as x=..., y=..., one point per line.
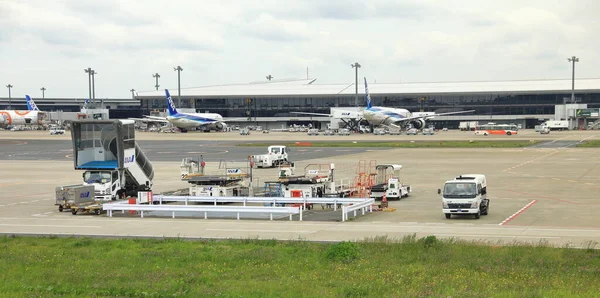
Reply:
x=271, y=104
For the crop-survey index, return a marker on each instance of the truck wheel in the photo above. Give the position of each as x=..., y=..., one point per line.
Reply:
x=448, y=215
x=487, y=207
x=60, y=208
x=74, y=211
x=98, y=211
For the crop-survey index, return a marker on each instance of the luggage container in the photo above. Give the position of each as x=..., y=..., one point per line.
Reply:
x=73, y=195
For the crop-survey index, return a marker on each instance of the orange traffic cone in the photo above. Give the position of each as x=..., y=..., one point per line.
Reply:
x=384, y=202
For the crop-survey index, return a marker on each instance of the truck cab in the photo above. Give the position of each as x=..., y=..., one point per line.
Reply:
x=106, y=183
x=466, y=194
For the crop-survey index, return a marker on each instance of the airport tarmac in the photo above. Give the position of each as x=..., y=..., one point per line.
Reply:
x=537, y=194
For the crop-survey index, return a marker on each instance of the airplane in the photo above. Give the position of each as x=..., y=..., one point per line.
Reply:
x=394, y=117
x=31, y=106
x=185, y=121
x=17, y=117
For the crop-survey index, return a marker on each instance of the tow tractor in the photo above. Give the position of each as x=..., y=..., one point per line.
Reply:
x=388, y=182
x=275, y=156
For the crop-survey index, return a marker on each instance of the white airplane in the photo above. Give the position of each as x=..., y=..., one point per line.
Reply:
x=18, y=117
x=185, y=121
x=394, y=117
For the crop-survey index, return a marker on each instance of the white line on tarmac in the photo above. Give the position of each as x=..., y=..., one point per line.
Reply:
x=266, y=231
x=496, y=236
x=51, y=226
x=517, y=213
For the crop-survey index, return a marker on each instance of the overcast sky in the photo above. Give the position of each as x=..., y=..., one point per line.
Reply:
x=50, y=42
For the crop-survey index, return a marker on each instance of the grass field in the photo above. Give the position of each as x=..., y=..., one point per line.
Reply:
x=82, y=267
x=589, y=144
x=406, y=144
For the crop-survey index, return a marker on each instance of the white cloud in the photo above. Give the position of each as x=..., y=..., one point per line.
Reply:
x=49, y=43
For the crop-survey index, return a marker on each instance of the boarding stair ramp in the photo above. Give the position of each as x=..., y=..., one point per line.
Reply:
x=97, y=144
x=141, y=170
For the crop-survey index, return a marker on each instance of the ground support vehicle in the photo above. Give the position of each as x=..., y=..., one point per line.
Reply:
x=466, y=194
x=387, y=182
x=275, y=156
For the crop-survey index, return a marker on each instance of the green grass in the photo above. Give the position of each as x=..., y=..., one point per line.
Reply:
x=408, y=144
x=82, y=267
x=589, y=144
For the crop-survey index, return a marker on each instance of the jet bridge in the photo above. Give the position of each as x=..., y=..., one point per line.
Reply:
x=111, y=145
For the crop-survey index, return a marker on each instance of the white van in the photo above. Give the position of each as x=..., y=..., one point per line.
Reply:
x=466, y=194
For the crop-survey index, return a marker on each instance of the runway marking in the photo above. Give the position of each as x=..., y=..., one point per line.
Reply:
x=35, y=201
x=267, y=231
x=517, y=213
x=530, y=161
x=53, y=226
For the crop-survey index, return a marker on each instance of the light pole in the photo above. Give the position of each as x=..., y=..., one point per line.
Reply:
x=43, y=92
x=94, y=87
x=89, y=71
x=269, y=77
x=178, y=69
x=132, y=93
x=356, y=66
x=572, y=59
x=9, y=101
x=156, y=75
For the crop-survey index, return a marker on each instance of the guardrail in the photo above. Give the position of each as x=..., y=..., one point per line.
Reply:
x=360, y=206
x=272, y=200
x=206, y=209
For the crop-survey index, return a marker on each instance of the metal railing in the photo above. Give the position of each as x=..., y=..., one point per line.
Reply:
x=203, y=209
x=264, y=200
x=360, y=206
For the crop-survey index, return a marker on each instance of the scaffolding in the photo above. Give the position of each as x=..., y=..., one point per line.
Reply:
x=365, y=178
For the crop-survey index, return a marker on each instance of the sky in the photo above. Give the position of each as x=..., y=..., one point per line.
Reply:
x=50, y=43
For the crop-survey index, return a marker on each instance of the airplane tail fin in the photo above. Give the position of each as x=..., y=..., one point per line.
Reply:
x=367, y=94
x=31, y=104
x=170, y=105
x=85, y=104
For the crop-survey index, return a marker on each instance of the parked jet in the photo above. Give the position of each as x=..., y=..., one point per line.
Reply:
x=394, y=117
x=17, y=117
x=185, y=121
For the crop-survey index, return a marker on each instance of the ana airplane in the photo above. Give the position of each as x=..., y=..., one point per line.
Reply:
x=17, y=117
x=394, y=117
x=185, y=121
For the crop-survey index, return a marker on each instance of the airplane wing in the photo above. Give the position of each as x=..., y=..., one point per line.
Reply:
x=316, y=114
x=432, y=116
x=234, y=119
x=157, y=119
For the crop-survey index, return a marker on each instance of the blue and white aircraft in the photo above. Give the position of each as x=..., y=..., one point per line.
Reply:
x=185, y=121
x=391, y=117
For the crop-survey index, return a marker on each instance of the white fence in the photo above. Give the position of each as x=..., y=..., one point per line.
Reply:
x=360, y=206
x=264, y=200
x=202, y=209
x=357, y=204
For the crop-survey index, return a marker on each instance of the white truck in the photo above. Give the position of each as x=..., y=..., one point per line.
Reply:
x=467, y=125
x=276, y=155
x=387, y=182
x=556, y=124
x=466, y=194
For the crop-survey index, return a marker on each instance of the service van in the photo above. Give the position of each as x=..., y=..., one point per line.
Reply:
x=465, y=195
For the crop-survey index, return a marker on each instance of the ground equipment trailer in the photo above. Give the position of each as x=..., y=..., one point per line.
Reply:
x=74, y=196
x=234, y=180
x=275, y=156
x=387, y=182
x=112, y=160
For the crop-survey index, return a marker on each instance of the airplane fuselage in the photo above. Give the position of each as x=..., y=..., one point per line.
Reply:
x=191, y=120
x=17, y=117
x=385, y=116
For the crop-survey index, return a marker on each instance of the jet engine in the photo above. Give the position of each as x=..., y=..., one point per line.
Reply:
x=221, y=126
x=418, y=123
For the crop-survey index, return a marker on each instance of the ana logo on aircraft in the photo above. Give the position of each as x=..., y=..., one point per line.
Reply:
x=129, y=159
x=171, y=104
x=84, y=195
x=345, y=114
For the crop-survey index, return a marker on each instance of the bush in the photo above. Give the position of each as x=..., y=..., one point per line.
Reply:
x=343, y=251
x=429, y=241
